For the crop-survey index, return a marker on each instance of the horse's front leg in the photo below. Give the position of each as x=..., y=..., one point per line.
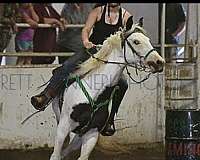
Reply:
x=74, y=144
x=89, y=141
x=62, y=131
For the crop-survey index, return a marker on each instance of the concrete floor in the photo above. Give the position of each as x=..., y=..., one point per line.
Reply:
x=44, y=154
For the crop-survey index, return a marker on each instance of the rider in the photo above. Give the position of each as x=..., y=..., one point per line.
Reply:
x=105, y=20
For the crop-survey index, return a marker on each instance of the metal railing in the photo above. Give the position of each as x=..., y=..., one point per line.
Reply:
x=66, y=54
x=25, y=25
x=37, y=54
x=46, y=54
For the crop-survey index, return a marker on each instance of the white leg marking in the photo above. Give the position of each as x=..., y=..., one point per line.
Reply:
x=89, y=141
x=74, y=144
x=62, y=131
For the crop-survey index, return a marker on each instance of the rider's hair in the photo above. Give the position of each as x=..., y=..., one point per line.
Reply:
x=99, y=4
x=102, y=4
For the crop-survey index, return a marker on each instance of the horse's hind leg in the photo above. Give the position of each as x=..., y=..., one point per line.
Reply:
x=74, y=144
x=89, y=141
x=62, y=132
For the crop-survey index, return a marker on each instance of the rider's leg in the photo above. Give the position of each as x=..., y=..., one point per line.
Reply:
x=117, y=99
x=58, y=80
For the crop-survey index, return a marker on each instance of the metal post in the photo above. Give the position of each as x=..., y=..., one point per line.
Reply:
x=163, y=30
x=197, y=19
x=161, y=82
x=198, y=51
x=187, y=31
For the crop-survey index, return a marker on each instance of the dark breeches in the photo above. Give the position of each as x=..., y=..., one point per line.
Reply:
x=61, y=73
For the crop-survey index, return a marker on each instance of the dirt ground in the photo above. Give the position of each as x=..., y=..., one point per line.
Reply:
x=44, y=154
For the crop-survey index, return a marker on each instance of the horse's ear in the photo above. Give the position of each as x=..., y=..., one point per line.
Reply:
x=129, y=23
x=141, y=20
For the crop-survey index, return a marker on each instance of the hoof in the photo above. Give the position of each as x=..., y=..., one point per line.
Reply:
x=55, y=157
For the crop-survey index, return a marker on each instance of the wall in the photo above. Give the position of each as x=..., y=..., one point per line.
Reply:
x=17, y=86
x=139, y=121
x=150, y=13
x=138, y=112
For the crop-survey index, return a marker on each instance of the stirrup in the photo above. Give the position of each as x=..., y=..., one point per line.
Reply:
x=111, y=131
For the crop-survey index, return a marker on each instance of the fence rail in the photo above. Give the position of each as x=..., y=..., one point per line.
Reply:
x=65, y=54
x=68, y=54
x=175, y=45
x=37, y=54
x=30, y=66
x=48, y=25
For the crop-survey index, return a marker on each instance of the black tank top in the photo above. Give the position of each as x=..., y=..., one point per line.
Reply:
x=102, y=30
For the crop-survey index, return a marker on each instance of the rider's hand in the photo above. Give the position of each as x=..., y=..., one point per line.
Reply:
x=64, y=22
x=57, y=23
x=33, y=24
x=88, y=44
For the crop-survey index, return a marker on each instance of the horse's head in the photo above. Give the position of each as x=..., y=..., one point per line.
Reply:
x=136, y=44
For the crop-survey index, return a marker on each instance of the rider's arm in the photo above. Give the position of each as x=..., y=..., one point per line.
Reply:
x=126, y=16
x=92, y=18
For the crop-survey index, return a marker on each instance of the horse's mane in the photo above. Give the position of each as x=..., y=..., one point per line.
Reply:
x=140, y=30
x=114, y=41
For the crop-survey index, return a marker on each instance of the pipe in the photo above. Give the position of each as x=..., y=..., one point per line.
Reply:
x=163, y=30
x=48, y=25
x=187, y=30
x=46, y=54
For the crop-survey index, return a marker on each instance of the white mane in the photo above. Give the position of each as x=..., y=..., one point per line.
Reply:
x=114, y=41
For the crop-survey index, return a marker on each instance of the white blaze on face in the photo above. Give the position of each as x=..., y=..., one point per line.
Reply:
x=143, y=46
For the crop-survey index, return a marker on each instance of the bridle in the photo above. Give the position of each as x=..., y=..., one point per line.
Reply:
x=141, y=67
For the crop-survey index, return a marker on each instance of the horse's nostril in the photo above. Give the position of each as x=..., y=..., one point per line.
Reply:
x=160, y=70
x=159, y=62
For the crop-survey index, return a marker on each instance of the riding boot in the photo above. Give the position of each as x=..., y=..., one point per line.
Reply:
x=56, y=84
x=117, y=98
x=41, y=101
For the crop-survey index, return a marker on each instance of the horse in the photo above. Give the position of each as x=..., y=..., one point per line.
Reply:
x=127, y=47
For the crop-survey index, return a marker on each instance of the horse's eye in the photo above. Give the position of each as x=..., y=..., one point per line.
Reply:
x=136, y=42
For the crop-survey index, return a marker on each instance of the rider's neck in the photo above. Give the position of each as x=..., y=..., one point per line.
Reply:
x=114, y=9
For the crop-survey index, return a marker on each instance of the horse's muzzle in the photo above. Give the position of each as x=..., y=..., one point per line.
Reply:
x=156, y=66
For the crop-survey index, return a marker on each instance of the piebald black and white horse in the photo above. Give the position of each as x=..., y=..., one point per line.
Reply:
x=124, y=48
